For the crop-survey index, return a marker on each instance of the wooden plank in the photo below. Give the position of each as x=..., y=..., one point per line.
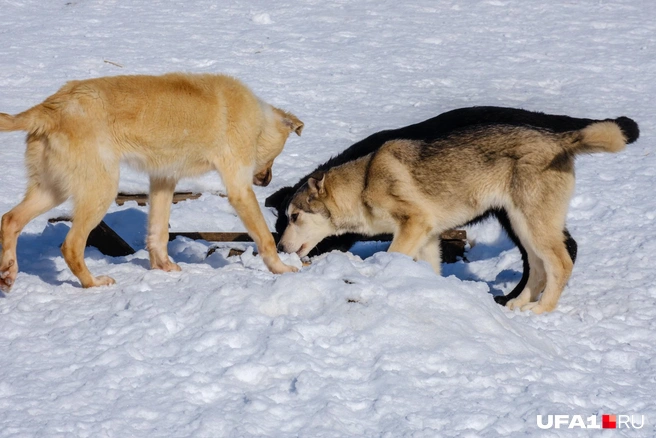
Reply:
x=452, y=243
x=108, y=242
x=452, y=250
x=104, y=239
x=142, y=198
x=454, y=235
x=214, y=236
x=211, y=236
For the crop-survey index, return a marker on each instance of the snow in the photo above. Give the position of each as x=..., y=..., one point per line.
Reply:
x=348, y=346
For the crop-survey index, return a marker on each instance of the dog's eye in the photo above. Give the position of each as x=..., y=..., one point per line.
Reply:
x=293, y=217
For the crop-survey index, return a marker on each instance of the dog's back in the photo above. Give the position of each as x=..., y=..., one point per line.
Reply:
x=492, y=166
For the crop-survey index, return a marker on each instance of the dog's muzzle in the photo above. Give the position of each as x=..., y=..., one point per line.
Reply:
x=263, y=178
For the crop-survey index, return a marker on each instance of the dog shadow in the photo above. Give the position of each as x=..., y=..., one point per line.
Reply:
x=36, y=253
x=131, y=224
x=484, y=251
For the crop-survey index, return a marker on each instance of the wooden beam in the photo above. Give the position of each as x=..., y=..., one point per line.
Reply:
x=214, y=236
x=452, y=242
x=109, y=243
x=142, y=199
x=104, y=239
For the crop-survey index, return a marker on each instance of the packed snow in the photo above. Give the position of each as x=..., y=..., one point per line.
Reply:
x=354, y=344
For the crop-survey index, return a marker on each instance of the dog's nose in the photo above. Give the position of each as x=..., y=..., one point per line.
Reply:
x=267, y=178
x=263, y=178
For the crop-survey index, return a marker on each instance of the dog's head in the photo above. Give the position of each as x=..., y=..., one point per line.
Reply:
x=278, y=126
x=309, y=217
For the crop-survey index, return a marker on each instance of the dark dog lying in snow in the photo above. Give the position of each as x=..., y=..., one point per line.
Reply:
x=430, y=130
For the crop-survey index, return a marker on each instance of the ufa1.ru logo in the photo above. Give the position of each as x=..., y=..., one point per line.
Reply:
x=591, y=422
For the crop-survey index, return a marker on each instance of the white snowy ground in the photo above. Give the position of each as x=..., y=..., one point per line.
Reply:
x=346, y=347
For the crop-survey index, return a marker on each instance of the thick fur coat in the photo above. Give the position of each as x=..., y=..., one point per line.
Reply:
x=415, y=190
x=430, y=130
x=171, y=126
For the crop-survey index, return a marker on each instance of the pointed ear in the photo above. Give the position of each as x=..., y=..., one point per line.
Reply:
x=316, y=184
x=279, y=198
x=290, y=121
x=294, y=124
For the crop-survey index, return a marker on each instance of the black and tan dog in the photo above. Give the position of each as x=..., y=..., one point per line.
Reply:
x=171, y=126
x=416, y=190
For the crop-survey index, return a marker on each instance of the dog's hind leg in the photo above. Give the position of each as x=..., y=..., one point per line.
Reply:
x=37, y=201
x=536, y=278
x=558, y=268
x=543, y=239
x=161, y=196
x=39, y=198
x=570, y=244
x=431, y=253
x=93, y=192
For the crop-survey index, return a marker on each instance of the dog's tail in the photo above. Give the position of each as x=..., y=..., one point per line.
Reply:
x=36, y=120
x=605, y=136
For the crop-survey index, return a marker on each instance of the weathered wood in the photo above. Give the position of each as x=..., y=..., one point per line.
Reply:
x=237, y=252
x=109, y=243
x=454, y=235
x=452, y=250
x=142, y=199
x=233, y=252
x=214, y=236
x=452, y=242
x=211, y=236
x=53, y=220
x=104, y=239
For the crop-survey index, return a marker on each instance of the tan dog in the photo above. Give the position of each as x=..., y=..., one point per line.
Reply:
x=170, y=126
x=416, y=190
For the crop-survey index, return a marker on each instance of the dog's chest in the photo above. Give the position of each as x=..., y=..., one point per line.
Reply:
x=378, y=221
x=166, y=166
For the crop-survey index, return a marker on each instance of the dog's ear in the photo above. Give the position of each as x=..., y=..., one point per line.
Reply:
x=316, y=184
x=290, y=121
x=294, y=123
x=278, y=198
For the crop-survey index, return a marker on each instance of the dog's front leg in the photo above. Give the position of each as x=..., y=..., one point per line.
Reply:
x=243, y=200
x=410, y=237
x=161, y=196
x=431, y=252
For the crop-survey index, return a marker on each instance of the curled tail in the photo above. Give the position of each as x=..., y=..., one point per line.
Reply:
x=605, y=136
x=36, y=120
x=9, y=123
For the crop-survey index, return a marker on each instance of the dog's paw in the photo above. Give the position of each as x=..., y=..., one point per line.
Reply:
x=516, y=303
x=281, y=268
x=167, y=266
x=102, y=280
x=534, y=307
x=8, y=273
